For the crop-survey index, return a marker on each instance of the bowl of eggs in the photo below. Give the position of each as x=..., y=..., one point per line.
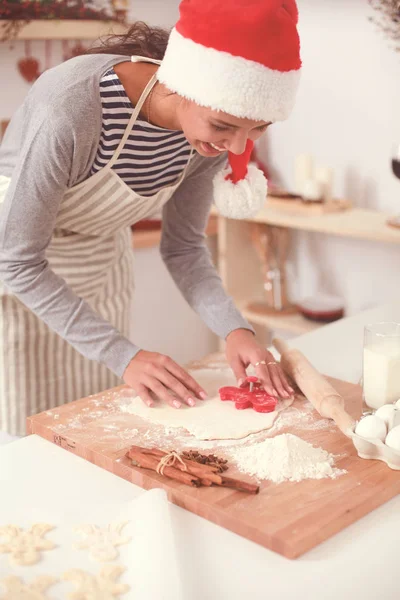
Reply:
x=377, y=435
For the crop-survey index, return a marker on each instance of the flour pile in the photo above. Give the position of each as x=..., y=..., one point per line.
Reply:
x=285, y=458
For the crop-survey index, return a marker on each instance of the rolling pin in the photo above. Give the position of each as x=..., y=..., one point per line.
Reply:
x=315, y=387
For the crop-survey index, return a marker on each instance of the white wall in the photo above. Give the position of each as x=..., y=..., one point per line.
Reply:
x=347, y=115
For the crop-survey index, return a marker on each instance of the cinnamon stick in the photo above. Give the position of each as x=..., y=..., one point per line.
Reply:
x=189, y=466
x=204, y=467
x=240, y=486
x=190, y=473
x=150, y=462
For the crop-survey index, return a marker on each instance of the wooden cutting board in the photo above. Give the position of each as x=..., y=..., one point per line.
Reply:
x=288, y=518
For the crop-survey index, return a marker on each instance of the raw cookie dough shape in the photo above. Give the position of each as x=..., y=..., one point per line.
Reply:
x=16, y=589
x=102, y=541
x=24, y=546
x=210, y=419
x=97, y=587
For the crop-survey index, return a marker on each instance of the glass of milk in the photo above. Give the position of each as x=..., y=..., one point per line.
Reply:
x=381, y=364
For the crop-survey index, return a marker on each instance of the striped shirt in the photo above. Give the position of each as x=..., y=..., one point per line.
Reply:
x=153, y=157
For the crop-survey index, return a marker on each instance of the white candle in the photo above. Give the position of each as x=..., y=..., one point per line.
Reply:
x=381, y=373
x=312, y=190
x=324, y=176
x=303, y=170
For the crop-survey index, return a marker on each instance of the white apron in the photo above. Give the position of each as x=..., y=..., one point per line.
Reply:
x=91, y=249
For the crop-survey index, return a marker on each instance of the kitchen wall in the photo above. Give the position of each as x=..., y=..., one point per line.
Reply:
x=347, y=116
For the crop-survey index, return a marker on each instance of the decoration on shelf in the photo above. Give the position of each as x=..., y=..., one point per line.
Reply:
x=271, y=245
x=389, y=19
x=29, y=67
x=16, y=14
x=312, y=183
x=76, y=50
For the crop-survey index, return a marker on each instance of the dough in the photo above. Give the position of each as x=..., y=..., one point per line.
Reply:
x=16, y=589
x=210, y=419
x=102, y=542
x=96, y=587
x=24, y=546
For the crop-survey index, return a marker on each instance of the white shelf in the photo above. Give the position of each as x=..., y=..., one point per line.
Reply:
x=77, y=29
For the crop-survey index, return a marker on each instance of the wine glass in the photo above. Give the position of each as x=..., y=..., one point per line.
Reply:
x=396, y=160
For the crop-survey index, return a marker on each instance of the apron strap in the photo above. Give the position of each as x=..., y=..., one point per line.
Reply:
x=138, y=106
x=145, y=59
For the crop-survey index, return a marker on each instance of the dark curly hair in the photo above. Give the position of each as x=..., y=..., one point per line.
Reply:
x=140, y=39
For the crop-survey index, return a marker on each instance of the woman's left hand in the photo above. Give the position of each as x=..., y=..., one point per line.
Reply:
x=242, y=350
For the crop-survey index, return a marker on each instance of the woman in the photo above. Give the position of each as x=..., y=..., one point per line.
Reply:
x=105, y=140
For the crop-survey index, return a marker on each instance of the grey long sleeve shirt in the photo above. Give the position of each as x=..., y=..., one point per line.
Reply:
x=49, y=147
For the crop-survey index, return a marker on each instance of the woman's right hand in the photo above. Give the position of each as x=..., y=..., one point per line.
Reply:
x=153, y=372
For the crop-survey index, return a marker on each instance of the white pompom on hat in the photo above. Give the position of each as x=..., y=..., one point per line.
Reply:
x=241, y=57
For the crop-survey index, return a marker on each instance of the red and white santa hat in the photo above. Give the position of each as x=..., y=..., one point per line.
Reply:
x=241, y=57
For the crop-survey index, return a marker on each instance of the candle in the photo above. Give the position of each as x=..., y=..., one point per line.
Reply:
x=312, y=190
x=303, y=170
x=324, y=176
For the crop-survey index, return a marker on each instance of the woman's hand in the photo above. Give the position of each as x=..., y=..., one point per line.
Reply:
x=153, y=372
x=242, y=350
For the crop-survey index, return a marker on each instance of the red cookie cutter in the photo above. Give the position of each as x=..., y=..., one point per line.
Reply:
x=250, y=395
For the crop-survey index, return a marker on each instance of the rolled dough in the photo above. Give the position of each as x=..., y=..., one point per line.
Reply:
x=210, y=419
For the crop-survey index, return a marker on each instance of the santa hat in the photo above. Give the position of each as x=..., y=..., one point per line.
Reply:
x=241, y=57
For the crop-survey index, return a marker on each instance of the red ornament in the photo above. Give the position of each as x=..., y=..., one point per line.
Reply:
x=29, y=69
x=29, y=66
x=250, y=395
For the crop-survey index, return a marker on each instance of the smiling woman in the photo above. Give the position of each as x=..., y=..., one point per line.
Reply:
x=144, y=123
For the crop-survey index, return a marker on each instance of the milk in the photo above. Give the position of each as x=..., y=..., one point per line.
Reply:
x=381, y=373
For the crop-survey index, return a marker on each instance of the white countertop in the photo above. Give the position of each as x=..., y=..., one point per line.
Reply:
x=360, y=562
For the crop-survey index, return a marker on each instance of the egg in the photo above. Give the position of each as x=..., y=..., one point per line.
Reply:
x=393, y=438
x=398, y=403
x=371, y=427
x=390, y=414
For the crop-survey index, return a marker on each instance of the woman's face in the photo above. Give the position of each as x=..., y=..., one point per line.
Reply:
x=212, y=132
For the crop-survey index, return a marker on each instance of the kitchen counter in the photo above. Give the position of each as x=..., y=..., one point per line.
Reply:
x=215, y=563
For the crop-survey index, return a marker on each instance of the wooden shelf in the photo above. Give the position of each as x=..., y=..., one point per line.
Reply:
x=296, y=324
x=77, y=29
x=356, y=223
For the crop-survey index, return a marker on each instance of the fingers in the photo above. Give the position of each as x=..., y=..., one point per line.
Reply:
x=263, y=375
x=176, y=387
x=145, y=396
x=274, y=380
x=239, y=370
x=277, y=381
x=186, y=380
x=152, y=384
x=153, y=373
x=285, y=382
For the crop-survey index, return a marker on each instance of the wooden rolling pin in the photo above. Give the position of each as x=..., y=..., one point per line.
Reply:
x=315, y=387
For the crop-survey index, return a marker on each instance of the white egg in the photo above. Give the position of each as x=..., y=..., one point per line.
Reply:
x=398, y=403
x=371, y=427
x=390, y=414
x=393, y=438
